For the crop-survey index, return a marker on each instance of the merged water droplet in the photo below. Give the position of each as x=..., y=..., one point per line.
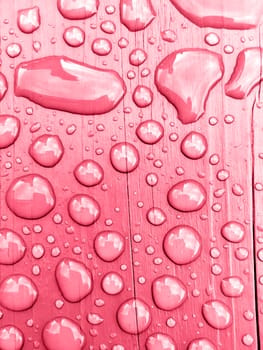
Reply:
x=112, y=283
x=187, y=196
x=182, y=244
x=201, y=344
x=136, y=14
x=68, y=81
x=28, y=20
x=12, y=247
x=47, y=150
x=160, y=341
x=232, y=286
x=74, y=36
x=18, y=293
x=168, y=292
x=89, y=173
x=233, y=231
x=124, y=157
x=74, y=279
x=61, y=333
x=84, y=209
x=11, y=338
x=109, y=245
x=142, y=96
x=194, y=145
x=134, y=316
x=3, y=86
x=77, y=9
x=9, y=130
x=217, y=314
x=150, y=131
x=30, y=196
x=186, y=78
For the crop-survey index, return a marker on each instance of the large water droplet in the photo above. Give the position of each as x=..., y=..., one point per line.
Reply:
x=124, y=157
x=194, y=145
x=18, y=293
x=136, y=14
x=9, y=130
x=217, y=314
x=134, y=316
x=77, y=9
x=11, y=338
x=73, y=86
x=62, y=333
x=109, y=245
x=160, y=341
x=187, y=196
x=74, y=279
x=201, y=344
x=112, y=283
x=232, y=286
x=168, y=292
x=89, y=173
x=28, y=20
x=30, y=196
x=186, y=78
x=84, y=209
x=182, y=244
x=47, y=150
x=12, y=247
x=233, y=231
x=150, y=131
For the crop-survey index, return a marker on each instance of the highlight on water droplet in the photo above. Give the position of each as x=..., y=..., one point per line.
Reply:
x=124, y=157
x=9, y=130
x=150, y=131
x=168, y=292
x=61, y=333
x=134, y=316
x=194, y=145
x=18, y=292
x=28, y=20
x=77, y=9
x=232, y=286
x=112, y=283
x=233, y=231
x=30, y=196
x=217, y=314
x=160, y=341
x=186, y=78
x=187, y=196
x=89, y=173
x=12, y=247
x=182, y=244
x=74, y=36
x=109, y=245
x=47, y=150
x=84, y=209
x=201, y=344
x=74, y=279
x=11, y=338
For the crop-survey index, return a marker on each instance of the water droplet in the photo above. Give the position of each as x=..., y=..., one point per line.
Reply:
x=136, y=14
x=201, y=344
x=74, y=279
x=160, y=341
x=9, y=130
x=28, y=20
x=47, y=150
x=77, y=9
x=112, y=283
x=12, y=247
x=124, y=157
x=228, y=49
x=30, y=196
x=101, y=46
x=38, y=251
x=11, y=338
x=233, y=231
x=3, y=86
x=94, y=319
x=137, y=57
x=83, y=209
x=150, y=131
x=13, y=50
x=156, y=216
x=62, y=333
x=108, y=27
x=152, y=179
x=217, y=314
x=67, y=88
x=189, y=96
x=222, y=175
x=168, y=292
x=168, y=35
x=109, y=245
x=134, y=316
x=237, y=190
x=187, y=196
x=18, y=293
x=142, y=96
x=194, y=145
x=212, y=39
x=182, y=244
x=89, y=173
x=232, y=286
x=74, y=36
x=247, y=340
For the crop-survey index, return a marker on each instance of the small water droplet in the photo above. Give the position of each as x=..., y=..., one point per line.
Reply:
x=84, y=209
